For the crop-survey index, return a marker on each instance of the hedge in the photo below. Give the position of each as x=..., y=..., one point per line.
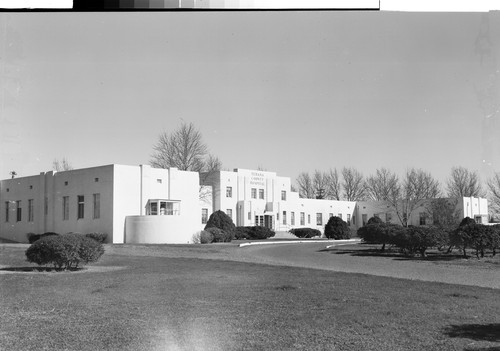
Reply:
x=32, y=237
x=305, y=232
x=253, y=233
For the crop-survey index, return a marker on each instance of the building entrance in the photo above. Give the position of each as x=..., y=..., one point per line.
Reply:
x=265, y=221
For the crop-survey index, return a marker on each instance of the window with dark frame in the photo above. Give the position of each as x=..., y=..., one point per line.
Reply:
x=283, y=195
x=7, y=204
x=204, y=215
x=19, y=211
x=97, y=206
x=30, y=210
x=229, y=191
x=319, y=219
x=302, y=218
x=81, y=206
x=284, y=217
x=65, y=208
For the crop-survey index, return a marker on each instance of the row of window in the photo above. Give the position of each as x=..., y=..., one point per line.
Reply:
x=253, y=193
x=65, y=208
x=96, y=180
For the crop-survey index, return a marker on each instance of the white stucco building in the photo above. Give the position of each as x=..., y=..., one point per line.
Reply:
x=133, y=204
x=140, y=204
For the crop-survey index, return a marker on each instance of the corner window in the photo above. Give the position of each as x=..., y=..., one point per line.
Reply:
x=229, y=191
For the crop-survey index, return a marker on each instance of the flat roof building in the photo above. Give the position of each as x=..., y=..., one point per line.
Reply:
x=141, y=204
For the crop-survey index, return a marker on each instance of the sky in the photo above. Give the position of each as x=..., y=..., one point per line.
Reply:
x=289, y=92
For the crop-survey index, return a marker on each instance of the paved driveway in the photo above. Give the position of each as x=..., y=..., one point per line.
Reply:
x=316, y=256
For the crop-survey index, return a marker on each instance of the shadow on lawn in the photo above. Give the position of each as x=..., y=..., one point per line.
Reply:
x=375, y=252
x=478, y=332
x=37, y=269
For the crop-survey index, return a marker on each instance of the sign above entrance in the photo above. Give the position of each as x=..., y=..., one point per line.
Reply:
x=257, y=178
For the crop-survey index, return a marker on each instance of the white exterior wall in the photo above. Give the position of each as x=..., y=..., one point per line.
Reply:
x=474, y=207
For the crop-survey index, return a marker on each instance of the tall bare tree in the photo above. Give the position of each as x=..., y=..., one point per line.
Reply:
x=383, y=185
x=183, y=149
x=416, y=186
x=62, y=165
x=494, y=192
x=463, y=183
x=334, y=187
x=305, y=186
x=353, y=185
x=320, y=184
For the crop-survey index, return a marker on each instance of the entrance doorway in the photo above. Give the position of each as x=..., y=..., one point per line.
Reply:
x=265, y=221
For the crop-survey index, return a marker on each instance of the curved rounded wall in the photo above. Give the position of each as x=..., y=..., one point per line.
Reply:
x=158, y=230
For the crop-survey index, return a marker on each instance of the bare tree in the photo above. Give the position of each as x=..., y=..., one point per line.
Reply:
x=62, y=165
x=334, y=188
x=320, y=184
x=382, y=185
x=353, y=185
x=417, y=186
x=464, y=183
x=494, y=192
x=305, y=186
x=183, y=149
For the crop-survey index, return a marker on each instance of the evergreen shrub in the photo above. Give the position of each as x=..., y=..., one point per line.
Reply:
x=305, y=232
x=337, y=229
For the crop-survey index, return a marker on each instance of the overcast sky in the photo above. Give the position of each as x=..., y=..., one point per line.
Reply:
x=287, y=91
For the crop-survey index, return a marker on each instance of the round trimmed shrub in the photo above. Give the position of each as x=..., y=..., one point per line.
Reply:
x=337, y=229
x=305, y=232
x=64, y=251
x=220, y=220
x=374, y=220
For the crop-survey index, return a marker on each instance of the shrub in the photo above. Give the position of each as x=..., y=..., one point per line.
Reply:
x=253, y=233
x=495, y=238
x=378, y=233
x=305, y=232
x=337, y=229
x=418, y=239
x=220, y=220
x=99, y=237
x=375, y=220
x=64, y=251
x=206, y=237
x=34, y=237
x=219, y=235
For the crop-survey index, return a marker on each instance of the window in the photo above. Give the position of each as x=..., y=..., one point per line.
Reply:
x=30, y=210
x=254, y=193
x=31, y=187
x=6, y=211
x=364, y=218
x=19, y=211
x=65, y=183
x=292, y=218
x=8, y=189
x=229, y=191
x=348, y=219
x=278, y=216
x=422, y=218
x=478, y=219
x=388, y=217
x=261, y=193
x=159, y=181
x=340, y=215
x=330, y=215
x=153, y=208
x=249, y=215
x=319, y=219
x=284, y=217
x=204, y=215
x=65, y=208
x=229, y=212
x=308, y=219
x=353, y=219
x=81, y=206
x=302, y=218
x=283, y=195
x=97, y=206
x=97, y=180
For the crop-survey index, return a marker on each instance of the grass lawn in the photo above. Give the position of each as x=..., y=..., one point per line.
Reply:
x=135, y=299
